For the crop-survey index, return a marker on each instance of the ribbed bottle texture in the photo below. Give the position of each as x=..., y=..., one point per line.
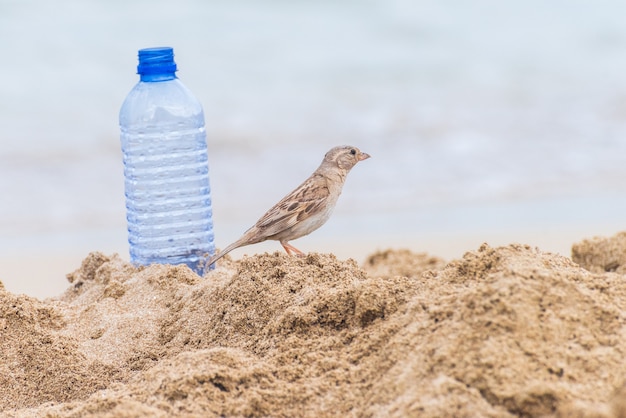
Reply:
x=168, y=197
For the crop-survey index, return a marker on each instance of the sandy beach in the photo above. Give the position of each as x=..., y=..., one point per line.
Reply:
x=501, y=331
x=498, y=123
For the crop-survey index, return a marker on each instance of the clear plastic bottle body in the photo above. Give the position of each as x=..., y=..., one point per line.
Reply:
x=168, y=196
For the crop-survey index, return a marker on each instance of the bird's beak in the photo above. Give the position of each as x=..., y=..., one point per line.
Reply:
x=363, y=156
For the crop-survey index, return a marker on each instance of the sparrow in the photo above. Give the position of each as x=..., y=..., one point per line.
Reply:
x=307, y=207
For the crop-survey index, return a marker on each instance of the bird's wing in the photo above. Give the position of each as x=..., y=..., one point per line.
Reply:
x=306, y=200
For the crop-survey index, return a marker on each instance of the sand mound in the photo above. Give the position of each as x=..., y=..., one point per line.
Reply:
x=37, y=362
x=508, y=331
x=601, y=255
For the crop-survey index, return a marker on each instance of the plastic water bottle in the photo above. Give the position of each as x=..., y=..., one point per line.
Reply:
x=168, y=197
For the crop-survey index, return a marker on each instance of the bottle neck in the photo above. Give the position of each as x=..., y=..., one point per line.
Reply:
x=154, y=78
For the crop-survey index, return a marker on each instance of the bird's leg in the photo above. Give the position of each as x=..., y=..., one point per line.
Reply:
x=290, y=248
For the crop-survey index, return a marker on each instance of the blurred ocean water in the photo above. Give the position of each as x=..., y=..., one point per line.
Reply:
x=480, y=116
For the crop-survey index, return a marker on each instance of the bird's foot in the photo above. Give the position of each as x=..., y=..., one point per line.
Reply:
x=291, y=249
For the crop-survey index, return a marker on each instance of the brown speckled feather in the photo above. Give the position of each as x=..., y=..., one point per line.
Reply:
x=297, y=206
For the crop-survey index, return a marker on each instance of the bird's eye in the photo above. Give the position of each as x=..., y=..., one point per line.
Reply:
x=353, y=151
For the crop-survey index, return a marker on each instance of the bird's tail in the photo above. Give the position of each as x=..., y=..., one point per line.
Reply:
x=239, y=243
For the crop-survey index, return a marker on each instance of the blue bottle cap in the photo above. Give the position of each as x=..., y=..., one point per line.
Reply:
x=156, y=64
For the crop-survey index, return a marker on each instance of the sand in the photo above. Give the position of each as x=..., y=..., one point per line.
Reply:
x=502, y=332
